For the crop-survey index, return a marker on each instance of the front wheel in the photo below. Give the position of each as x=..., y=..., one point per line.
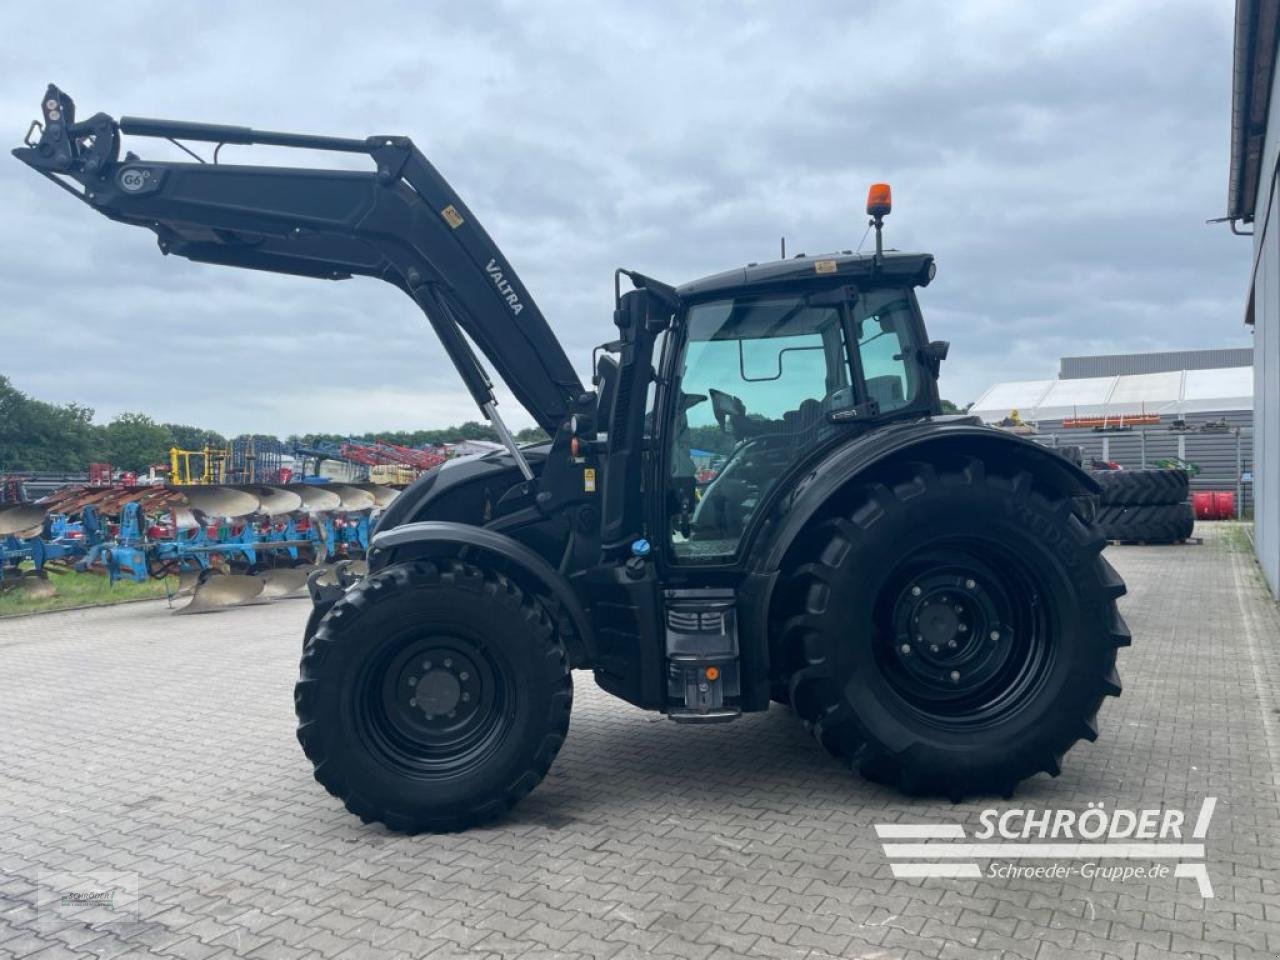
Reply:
x=433, y=695
x=956, y=631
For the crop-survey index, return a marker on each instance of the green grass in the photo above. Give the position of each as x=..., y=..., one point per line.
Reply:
x=1235, y=537
x=79, y=590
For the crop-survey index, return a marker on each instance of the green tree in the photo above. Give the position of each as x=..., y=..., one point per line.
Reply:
x=35, y=435
x=531, y=435
x=193, y=438
x=471, y=430
x=134, y=441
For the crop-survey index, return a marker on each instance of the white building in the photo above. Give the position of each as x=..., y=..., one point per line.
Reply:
x=1200, y=416
x=1251, y=207
x=1172, y=394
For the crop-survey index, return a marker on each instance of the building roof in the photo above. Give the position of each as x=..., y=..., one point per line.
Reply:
x=1257, y=25
x=1173, y=393
x=1117, y=364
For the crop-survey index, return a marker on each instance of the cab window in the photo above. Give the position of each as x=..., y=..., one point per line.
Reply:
x=756, y=384
x=883, y=325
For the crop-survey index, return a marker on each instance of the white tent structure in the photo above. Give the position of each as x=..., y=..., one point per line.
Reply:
x=1177, y=393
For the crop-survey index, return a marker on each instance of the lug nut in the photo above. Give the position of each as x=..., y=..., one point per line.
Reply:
x=959, y=608
x=916, y=591
x=413, y=701
x=951, y=644
x=464, y=675
x=963, y=628
x=933, y=648
x=413, y=681
x=955, y=676
x=905, y=648
x=970, y=584
x=426, y=664
x=466, y=697
x=995, y=634
x=448, y=662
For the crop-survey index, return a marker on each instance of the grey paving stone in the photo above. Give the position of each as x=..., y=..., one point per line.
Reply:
x=646, y=840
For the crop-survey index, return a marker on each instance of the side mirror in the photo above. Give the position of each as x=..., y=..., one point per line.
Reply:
x=935, y=353
x=630, y=312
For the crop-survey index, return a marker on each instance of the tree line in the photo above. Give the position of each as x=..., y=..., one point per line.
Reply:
x=36, y=435
x=39, y=436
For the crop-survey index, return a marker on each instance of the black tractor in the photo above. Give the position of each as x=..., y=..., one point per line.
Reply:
x=756, y=501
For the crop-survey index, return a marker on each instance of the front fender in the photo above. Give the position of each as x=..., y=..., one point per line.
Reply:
x=921, y=439
x=434, y=538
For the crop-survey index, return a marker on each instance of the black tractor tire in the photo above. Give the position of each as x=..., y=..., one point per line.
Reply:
x=954, y=631
x=1162, y=523
x=1142, y=487
x=433, y=696
x=313, y=623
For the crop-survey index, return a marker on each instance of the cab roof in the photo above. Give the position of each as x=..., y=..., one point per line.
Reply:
x=858, y=269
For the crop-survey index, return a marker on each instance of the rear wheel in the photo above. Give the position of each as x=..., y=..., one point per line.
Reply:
x=433, y=696
x=956, y=632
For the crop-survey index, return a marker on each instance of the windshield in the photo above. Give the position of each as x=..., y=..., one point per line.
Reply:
x=758, y=378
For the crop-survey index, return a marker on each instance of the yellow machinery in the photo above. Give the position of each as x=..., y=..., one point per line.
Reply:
x=212, y=463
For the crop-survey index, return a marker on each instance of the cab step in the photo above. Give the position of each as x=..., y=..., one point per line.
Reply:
x=703, y=675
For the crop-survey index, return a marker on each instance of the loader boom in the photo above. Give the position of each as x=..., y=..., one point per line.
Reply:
x=401, y=223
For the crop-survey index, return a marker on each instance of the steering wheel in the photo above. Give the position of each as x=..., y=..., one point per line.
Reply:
x=726, y=407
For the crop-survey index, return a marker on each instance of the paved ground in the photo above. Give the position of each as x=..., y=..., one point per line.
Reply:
x=163, y=748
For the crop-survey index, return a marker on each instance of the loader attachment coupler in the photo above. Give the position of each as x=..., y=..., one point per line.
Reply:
x=402, y=223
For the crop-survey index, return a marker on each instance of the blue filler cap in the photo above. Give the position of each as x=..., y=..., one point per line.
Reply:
x=640, y=548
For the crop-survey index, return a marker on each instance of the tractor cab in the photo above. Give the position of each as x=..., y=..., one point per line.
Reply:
x=767, y=367
x=738, y=381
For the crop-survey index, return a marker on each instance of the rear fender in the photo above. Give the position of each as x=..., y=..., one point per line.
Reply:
x=922, y=440
x=832, y=475
x=532, y=573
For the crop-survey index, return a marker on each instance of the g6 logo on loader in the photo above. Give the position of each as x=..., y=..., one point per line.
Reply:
x=133, y=179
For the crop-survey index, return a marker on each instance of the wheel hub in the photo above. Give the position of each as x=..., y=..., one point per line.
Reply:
x=938, y=623
x=438, y=692
x=951, y=632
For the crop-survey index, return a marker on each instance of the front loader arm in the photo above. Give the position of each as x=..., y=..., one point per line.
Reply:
x=401, y=223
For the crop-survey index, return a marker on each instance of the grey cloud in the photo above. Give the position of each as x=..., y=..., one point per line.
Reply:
x=1060, y=161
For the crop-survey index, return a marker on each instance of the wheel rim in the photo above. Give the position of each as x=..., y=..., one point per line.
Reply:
x=433, y=705
x=962, y=634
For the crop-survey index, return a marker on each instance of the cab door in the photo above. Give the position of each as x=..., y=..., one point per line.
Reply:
x=752, y=382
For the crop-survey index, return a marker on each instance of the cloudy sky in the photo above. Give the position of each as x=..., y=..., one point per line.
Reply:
x=1060, y=165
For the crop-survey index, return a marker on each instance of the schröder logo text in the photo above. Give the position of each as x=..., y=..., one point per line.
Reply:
x=1078, y=841
x=1095, y=823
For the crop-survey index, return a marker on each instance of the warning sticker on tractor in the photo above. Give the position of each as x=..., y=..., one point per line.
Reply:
x=589, y=480
x=824, y=266
x=451, y=216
